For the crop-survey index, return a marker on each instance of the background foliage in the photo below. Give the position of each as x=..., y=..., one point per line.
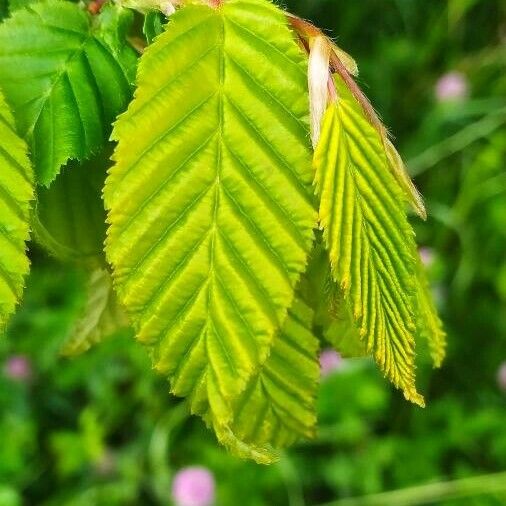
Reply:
x=97, y=430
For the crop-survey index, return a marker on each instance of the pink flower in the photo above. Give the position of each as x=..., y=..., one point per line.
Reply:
x=452, y=86
x=193, y=486
x=501, y=376
x=426, y=255
x=330, y=361
x=18, y=368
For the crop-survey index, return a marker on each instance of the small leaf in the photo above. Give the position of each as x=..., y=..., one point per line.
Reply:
x=369, y=240
x=429, y=325
x=16, y=192
x=102, y=315
x=332, y=321
x=63, y=82
x=153, y=25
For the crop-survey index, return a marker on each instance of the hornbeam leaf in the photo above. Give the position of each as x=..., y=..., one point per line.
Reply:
x=429, y=325
x=369, y=239
x=277, y=408
x=210, y=201
x=101, y=317
x=63, y=82
x=411, y=193
x=69, y=216
x=16, y=192
x=333, y=321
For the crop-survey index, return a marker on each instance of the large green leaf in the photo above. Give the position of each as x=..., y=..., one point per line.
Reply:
x=69, y=216
x=369, y=239
x=210, y=201
x=16, y=192
x=63, y=81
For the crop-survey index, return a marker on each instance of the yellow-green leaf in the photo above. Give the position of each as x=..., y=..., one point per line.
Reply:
x=16, y=192
x=210, y=201
x=278, y=406
x=369, y=239
x=429, y=325
x=101, y=317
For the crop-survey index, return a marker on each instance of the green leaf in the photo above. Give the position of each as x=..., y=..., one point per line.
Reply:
x=16, y=192
x=332, y=320
x=101, y=317
x=278, y=407
x=63, y=82
x=210, y=201
x=15, y=5
x=411, y=194
x=429, y=325
x=113, y=26
x=369, y=239
x=69, y=216
x=153, y=25
x=3, y=9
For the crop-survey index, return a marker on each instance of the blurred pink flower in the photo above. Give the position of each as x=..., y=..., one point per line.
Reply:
x=501, y=376
x=193, y=486
x=452, y=86
x=18, y=368
x=426, y=255
x=330, y=361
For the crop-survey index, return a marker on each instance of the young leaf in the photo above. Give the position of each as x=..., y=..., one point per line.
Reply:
x=69, y=216
x=102, y=316
x=153, y=25
x=333, y=321
x=210, y=200
x=63, y=82
x=411, y=194
x=429, y=326
x=16, y=192
x=368, y=237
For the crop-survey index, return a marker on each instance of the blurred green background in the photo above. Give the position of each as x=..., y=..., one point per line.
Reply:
x=102, y=429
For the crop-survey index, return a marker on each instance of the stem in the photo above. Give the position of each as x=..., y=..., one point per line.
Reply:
x=431, y=493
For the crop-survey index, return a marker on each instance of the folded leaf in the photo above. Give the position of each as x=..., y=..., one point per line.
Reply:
x=369, y=239
x=63, y=81
x=210, y=201
x=16, y=192
x=333, y=321
x=101, y=317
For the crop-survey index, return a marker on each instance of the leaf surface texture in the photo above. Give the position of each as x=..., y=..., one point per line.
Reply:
x=16, y=192
x=210, y=201
x=369, y=239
